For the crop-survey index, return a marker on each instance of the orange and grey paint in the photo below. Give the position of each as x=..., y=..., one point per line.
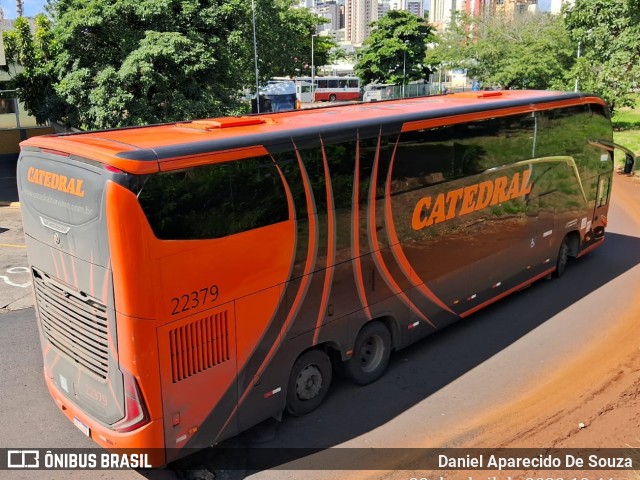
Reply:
x=135, y=327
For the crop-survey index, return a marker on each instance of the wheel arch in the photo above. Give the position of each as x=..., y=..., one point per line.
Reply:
x=573, y=242
x=392, y=325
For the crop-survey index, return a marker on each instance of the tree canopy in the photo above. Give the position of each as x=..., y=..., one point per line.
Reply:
x=33, y=52
x=609, y=37
x=109, y=63
x=529, y=51
x=395, y=51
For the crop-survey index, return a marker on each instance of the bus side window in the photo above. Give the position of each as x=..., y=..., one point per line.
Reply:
x=492, y=143
x=214, y=201
x=423, y=158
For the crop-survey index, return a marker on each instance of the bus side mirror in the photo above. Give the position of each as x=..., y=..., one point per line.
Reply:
x=629, y=161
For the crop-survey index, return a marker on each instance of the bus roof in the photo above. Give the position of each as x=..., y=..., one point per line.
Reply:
x=179, y=145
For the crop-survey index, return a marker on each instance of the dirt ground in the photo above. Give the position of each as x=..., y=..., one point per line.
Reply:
x=600, y=389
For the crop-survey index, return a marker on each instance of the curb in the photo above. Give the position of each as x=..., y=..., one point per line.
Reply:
x=9, y=204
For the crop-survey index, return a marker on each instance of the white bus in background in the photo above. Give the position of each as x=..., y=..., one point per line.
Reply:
x=377, y=91
x=304, y=92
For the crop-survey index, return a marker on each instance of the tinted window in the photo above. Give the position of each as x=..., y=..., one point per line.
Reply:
x=495, y=142
x=427, y=157
x=214, y=201
x=424, y=158
x=567, y=131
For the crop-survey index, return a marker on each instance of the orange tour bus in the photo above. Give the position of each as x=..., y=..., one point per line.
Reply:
x=193, y=279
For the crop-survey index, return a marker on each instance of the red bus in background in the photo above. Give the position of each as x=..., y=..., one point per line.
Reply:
x=328, y=89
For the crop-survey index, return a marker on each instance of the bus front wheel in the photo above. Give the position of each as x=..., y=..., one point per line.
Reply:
x=563, y=258
x=332, y=98
x=309, y=382
x=371, y=354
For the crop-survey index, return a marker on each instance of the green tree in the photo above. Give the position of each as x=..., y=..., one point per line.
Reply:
x=395, y=51
x=33, y=52
x=609, y=36
x=111, y=63
x=529, y=51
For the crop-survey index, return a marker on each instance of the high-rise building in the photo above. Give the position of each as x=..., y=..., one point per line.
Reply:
x=512, y=8
x=357, y=17
x=384, y=6
x=440, y=12
x=330, y=11
x=416, y=7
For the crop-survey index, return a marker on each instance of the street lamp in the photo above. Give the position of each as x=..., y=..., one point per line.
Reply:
x=578, y=75
x=255, y=55
x=577, y=85
x=404, y=64
x=313, y=69
x=404, y=70
x=405, y=46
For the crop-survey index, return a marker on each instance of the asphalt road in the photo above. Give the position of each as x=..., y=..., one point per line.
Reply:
x=427, y=398
x=15, y=279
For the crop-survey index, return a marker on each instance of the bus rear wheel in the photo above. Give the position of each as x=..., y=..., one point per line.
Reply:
x=309, y=382
x=332, y=98
x=371, y=354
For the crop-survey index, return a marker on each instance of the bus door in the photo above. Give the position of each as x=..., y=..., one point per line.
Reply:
x=602, y=205
x=541, y=214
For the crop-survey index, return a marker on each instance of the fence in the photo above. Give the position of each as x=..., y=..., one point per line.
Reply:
x=389, y=92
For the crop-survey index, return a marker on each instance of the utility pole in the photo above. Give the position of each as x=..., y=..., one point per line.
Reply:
x=20, y=8
x=255, y=55
x=577, y=86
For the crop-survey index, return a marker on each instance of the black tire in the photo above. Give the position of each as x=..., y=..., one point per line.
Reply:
x=309, y=382
x=563, y=258
x=332, y=98
x=371, y=354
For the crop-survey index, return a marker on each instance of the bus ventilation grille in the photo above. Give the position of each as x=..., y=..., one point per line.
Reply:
x=199, y=345
x=73, y=323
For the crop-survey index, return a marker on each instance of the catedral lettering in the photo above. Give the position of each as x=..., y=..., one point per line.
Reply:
x=463, y=201
x=55, y=181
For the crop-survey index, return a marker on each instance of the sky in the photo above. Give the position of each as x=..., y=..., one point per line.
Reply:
x=32, y=7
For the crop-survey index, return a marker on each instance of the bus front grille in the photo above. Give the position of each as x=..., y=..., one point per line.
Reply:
x=74, y=323
x=199, y=345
